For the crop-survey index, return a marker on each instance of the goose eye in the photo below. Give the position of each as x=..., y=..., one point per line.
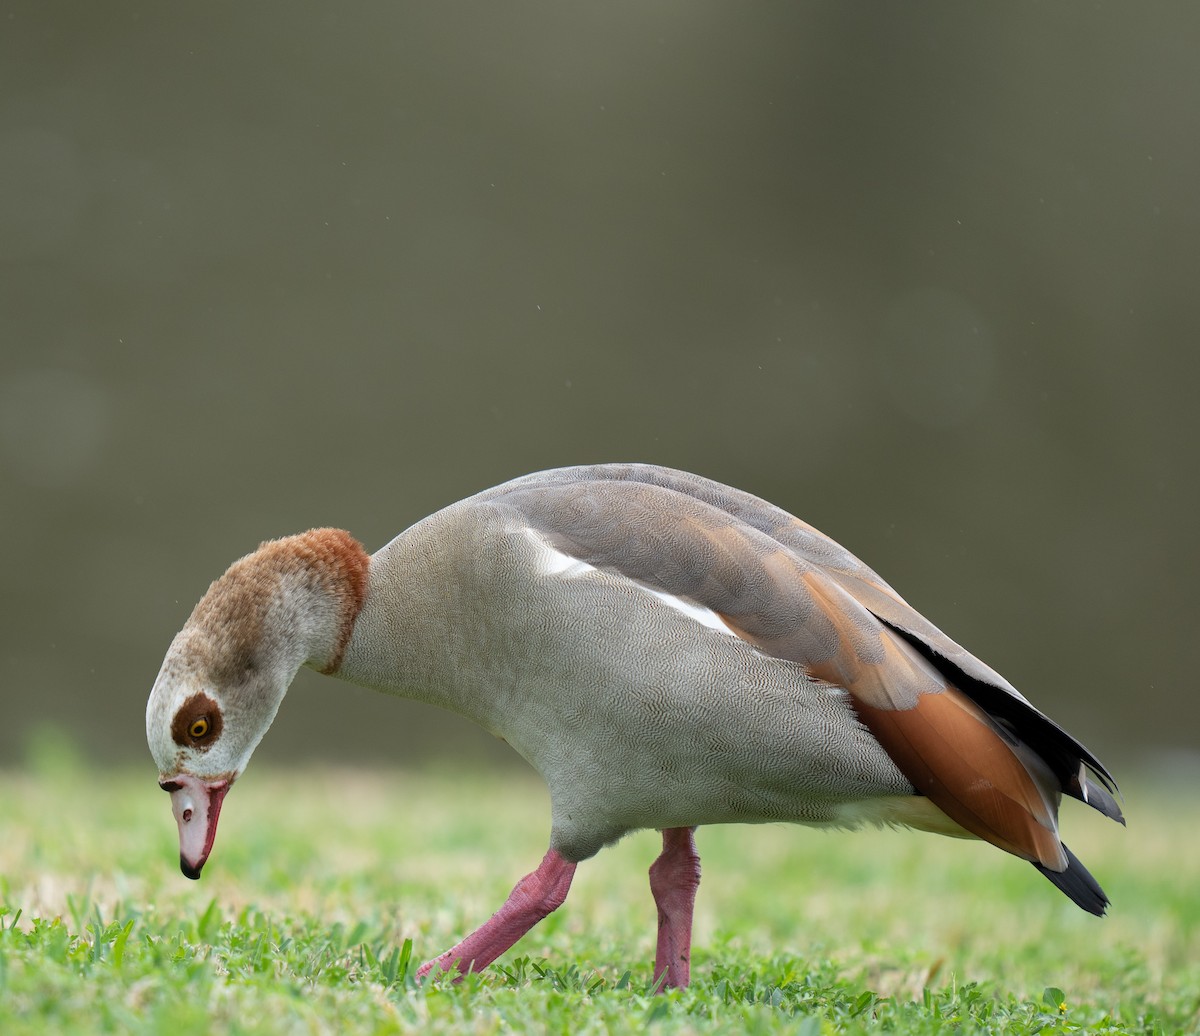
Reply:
x=197, y=723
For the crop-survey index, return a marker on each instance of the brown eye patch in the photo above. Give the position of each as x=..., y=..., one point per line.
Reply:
x=198, y=723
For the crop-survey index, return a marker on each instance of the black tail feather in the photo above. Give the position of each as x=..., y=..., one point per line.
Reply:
x=1078, y=885
x=1098, y=797
x=1069, y=759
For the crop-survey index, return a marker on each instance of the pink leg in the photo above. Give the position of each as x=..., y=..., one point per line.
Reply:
x=674, y=879
x=534, y=896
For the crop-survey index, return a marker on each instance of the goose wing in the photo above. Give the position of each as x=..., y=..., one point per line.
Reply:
x=961, y=734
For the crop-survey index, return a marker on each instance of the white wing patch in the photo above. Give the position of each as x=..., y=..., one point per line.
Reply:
x=553, y=562
x=697, y=612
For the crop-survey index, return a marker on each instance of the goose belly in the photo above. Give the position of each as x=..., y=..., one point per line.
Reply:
x=644, y=716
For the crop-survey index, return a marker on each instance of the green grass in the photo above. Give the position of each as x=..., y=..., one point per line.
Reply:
x=327, y=888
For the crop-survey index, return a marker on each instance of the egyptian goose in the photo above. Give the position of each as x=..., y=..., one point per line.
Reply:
x=664, y=650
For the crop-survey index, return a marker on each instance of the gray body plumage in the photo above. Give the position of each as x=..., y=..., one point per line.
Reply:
x=636, y=715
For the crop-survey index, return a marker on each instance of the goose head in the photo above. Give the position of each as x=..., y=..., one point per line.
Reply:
x=292, y=602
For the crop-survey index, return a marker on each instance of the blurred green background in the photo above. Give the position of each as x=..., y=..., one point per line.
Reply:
x=924, y=274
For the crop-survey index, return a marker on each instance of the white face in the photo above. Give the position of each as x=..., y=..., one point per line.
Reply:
x=203, y=727
x=185, y=728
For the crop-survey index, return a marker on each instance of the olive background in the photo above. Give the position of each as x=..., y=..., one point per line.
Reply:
x=925, y=274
